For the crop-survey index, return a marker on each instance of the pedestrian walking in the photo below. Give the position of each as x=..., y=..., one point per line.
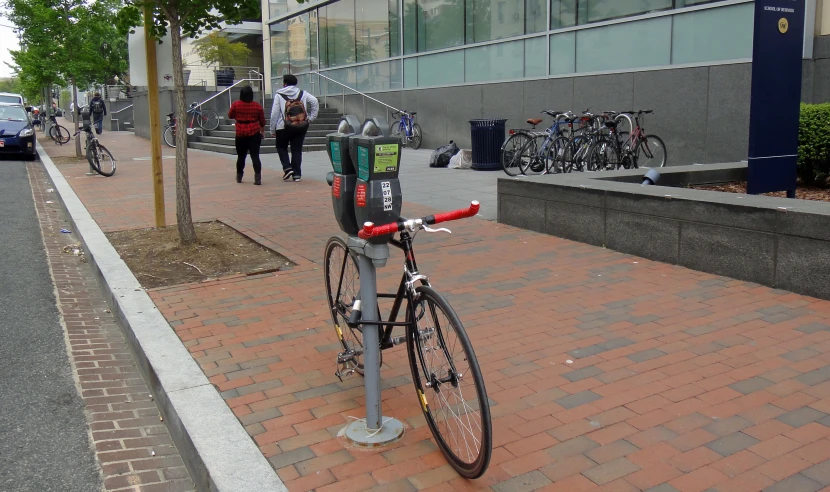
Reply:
x=250, y=130
x=99, y=110
x=291, y=114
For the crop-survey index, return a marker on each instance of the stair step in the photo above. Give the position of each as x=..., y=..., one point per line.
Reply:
x=228, y=149
x=321, y=127
x=313, y=132
x=266, y=142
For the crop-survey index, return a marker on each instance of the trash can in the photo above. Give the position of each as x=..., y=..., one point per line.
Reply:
x=487, y=139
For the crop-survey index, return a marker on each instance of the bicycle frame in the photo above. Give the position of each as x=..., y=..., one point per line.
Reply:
x=405, y=125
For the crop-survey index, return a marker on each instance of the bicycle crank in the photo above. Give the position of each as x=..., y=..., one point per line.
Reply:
x=347, y=364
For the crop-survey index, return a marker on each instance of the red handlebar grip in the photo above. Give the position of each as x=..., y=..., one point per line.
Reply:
x=457, y=214
x=370, y=230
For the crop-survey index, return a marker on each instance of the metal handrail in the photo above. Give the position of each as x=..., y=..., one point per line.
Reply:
x=365, y=96
x=122, y=109
x=118, y=120
x=228, y=90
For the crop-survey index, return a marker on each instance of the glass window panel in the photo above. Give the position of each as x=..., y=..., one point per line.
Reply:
x=410, y=27
x=441, y=69
x=562, y=13
x=713, y=34
x=381, y=76
x=410, y=72
x=322, y=45
x=562, y=53
x=599, y=10
x=340, y=33
x=279, y=49
x=610, y=47
x=299, y=43
x=312, y=40
x=282, y=8
x=494, y=19
x=536, y=16
x=372, y=29
x=536, y=56
x=502, y=61
x=394, y=29
x=679, y=4
x=440, y=24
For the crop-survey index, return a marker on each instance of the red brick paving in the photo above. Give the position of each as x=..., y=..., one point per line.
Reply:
x=680, y=380
x=132, y=446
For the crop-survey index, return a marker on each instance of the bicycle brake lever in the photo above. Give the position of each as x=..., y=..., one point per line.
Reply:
x=430, y=229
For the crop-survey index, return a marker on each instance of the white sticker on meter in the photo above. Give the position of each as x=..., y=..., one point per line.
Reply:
x=386, y=186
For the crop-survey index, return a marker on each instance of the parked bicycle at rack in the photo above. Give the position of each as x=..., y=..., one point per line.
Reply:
x=406, y=129
x=444, y=367
x=206, y=119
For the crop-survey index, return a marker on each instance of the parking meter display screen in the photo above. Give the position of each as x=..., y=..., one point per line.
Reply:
x=362, y=163
x=386, y=158
x=336, y=161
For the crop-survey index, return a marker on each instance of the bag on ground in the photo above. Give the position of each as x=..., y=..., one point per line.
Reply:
x=442, y=155
x=462, y=160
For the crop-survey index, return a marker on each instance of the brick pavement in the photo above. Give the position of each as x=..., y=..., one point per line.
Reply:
x=132, y=446
x=679, y=380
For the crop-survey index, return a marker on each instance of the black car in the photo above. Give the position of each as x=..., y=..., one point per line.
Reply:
x=17, y=136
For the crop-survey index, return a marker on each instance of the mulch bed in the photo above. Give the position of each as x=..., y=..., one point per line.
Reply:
x=803, y=193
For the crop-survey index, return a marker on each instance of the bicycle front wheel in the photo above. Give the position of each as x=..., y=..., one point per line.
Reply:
x=533, y=156
x=415, y=142
x=59, y=134
x=395, y=130
x=102, y=160
x=510, y=155
x=651, y=152
x=208, y=120
x=449, y=383
x=170, y=136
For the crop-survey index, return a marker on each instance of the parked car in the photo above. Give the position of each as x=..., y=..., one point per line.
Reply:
x=10, y=98
x=17, y=135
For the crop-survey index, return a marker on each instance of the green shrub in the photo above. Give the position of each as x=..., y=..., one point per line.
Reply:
x=814, y=144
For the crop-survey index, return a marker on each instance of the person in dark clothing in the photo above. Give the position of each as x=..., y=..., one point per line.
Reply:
x=293, y=110
x=99, y=110
x=250, y=130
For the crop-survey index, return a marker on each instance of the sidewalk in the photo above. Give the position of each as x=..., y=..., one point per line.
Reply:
x=679, y=380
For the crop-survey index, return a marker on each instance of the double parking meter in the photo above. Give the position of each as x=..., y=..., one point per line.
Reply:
x=364, y=186
x=378, y=197
x=86, y=119
x=343, y=182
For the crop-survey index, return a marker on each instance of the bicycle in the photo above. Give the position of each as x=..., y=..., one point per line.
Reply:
x=511, y=154
x=406, y=129
x=99, y=157
x=651, y=147
x=441, y=357
x=57, y=132
x=206, y=119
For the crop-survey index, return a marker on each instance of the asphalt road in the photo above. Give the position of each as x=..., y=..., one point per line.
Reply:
x=44, y=445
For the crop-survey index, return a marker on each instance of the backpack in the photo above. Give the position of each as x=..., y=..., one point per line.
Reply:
x=97, y=106
x=295, y=114
x=442, y=155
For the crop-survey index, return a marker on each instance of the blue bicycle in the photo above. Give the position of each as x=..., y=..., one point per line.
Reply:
x=406, y=129
x=537, y=154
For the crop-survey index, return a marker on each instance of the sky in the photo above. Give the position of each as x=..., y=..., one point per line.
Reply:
x=8, y=41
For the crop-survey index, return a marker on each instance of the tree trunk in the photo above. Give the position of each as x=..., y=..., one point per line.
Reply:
x=75, y=117
x=187, y=234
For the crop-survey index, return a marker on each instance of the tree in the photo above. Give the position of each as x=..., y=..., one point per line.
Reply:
x=190, y=18
x=216, y=48
x=11, y=84
x=67, y=41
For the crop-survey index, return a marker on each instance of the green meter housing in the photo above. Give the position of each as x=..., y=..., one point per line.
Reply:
x=377, y=158
x=344, y=180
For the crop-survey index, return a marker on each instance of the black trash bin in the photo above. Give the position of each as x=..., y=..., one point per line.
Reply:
x=487, y=138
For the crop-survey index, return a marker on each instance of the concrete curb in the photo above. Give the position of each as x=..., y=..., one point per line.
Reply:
x=217, y=450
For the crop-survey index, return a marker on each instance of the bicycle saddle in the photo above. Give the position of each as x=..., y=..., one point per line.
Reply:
x=413, y=113
x=553, y=113
x=534, y=121
x=611, y=124
x=193, y=105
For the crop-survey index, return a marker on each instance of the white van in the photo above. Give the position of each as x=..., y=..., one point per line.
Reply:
x=9, y=98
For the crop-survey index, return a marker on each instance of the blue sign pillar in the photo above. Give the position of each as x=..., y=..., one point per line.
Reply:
x=776, y=96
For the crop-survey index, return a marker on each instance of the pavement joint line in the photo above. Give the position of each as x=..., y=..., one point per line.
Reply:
x=218, y=452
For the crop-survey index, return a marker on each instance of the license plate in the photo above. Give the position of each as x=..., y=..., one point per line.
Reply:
x=2, y=143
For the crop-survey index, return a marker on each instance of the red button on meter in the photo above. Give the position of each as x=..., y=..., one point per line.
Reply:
x=360, y=195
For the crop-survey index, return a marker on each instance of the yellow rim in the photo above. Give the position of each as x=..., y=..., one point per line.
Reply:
x=423, y=400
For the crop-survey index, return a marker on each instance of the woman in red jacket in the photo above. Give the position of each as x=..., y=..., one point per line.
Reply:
x=250, y=130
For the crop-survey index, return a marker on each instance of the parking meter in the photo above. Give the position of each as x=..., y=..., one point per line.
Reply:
x=344, y=177
x=378, y=195
x=86, y=119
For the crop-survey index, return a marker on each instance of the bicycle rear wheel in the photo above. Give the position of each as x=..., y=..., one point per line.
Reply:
x=415, y=142
x=510, y=154
x=342, y=290
x=603, y=155
x=208, y=120
x=449, y=383
x=651, y=152
x=102, y=160
x=170, y=136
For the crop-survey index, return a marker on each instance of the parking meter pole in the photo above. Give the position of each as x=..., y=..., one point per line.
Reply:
x=371, y=342
x=375, y=430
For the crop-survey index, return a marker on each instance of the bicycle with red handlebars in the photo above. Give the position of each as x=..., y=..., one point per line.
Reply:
x=444, y=367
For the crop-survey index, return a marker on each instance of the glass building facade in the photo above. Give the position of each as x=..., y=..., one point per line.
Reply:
x=377, y=45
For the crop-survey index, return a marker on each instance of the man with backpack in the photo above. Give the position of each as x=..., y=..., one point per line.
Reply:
x=98, y=109
x=291, y=114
